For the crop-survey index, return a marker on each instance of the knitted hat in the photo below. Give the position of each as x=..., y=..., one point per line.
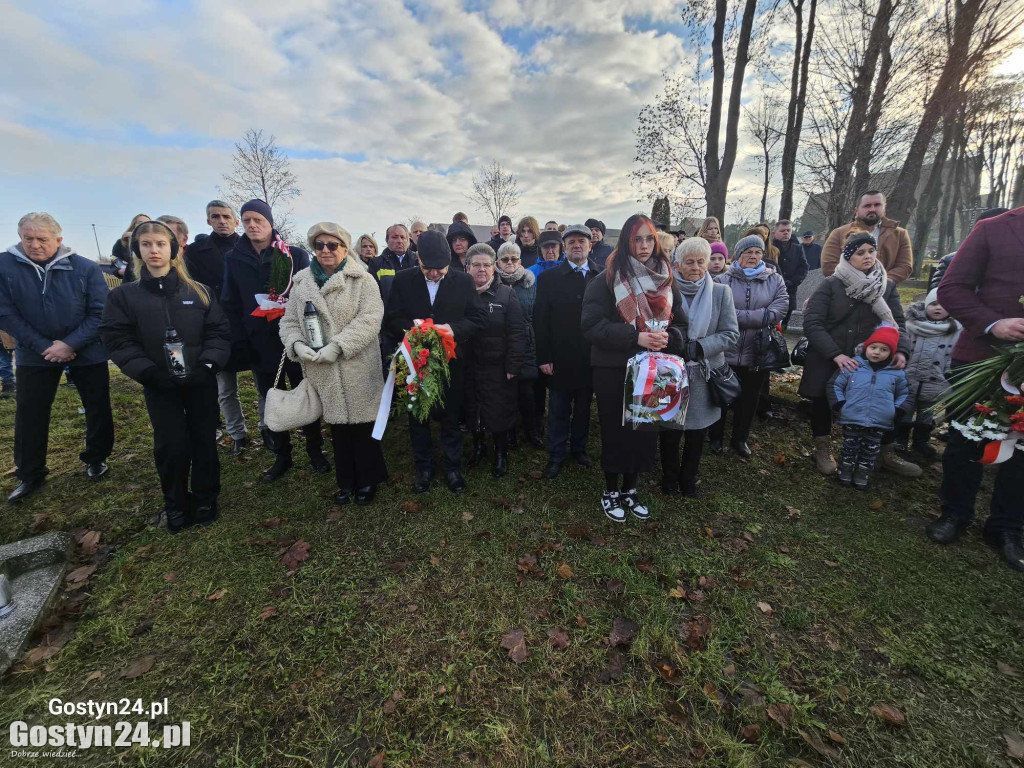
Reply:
x=721, y=248
x=591, y=223
x=932, y=297
x=884, y=334
x=433, y=250
x=550, y=236
x=855, y=241
x=505, y=219
x=750, y=241
x=260, y=207
x=328, y=228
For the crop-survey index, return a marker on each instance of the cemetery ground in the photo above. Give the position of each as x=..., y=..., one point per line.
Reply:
x=778, y=620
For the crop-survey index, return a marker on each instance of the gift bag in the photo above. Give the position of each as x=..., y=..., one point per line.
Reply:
x=656, y=392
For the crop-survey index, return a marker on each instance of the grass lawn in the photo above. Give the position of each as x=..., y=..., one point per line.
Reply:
x=778, y=620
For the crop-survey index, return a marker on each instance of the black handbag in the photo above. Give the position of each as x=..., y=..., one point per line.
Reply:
x=799, y=353
x=771, y=352
x=723, y=386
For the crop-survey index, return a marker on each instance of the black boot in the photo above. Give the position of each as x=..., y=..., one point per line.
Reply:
x=513, y=439
x=281, y=464
x=922, y=446
x=945, y=530
x=1008, y=545
x=270, y=441
x=479, y=452
x=500, y=467
x=670, y=484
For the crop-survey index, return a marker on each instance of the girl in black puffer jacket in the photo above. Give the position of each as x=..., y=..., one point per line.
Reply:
x=168, y=333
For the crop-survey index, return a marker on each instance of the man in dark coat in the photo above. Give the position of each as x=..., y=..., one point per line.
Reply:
x=449, y=297
x=562, y=351
x=397, y=256
x=247, y=272
x=599, y=251
x=460, y=237
x=812, y=251
x=205, y=262
x=792, y=263
x=51, y=301
x=504, y=234
x=982, y=289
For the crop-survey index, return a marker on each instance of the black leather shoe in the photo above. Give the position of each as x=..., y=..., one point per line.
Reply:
x=716, y=446
x=422, y=482
x=741, y=447
x=455, y=482
x=206, y=515
x=25, y=489
x=582, y=459
x=689, y=488
x=1009, y=547
x=343, y=496
x=365, y=495
x=239, y=446
x=97, y=470
x=945, y=530
x=281, y=465
x=670, y=485
x=500, y=468
x=319, y=462
x=177, y=521
x=551, y=470
x=270, y=441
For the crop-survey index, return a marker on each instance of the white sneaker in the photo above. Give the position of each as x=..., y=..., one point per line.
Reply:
x=611, y=503
x=632, y=503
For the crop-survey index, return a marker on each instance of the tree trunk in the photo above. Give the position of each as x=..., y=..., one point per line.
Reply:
x=941, y=105
x=862, y=174
x=932, y=194
x=719, y=183
x=764, y=192
x=711, y=159
x=797, y=101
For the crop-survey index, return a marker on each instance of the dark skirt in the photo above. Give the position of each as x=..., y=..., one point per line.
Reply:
x=624, y=450
x=491, y=399
x=358, y=458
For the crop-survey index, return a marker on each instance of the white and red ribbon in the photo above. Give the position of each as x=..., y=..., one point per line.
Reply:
x=386, y=395
x=998, y=451
x=271, y=306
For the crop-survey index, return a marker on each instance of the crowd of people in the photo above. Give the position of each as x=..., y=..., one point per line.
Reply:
x=545, y=321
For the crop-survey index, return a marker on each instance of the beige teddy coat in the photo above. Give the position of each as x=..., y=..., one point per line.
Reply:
x=352, y=311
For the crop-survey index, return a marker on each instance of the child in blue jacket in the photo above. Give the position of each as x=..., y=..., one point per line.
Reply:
x=868, y=399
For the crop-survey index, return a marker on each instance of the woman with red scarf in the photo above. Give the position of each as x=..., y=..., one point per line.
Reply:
x=636, y=287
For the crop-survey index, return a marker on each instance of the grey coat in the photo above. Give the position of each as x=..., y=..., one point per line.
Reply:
x=751, y=296
x=930, y=359
x=722, y=335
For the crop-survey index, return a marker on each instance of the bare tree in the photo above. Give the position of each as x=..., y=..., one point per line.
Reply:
x=766, y=123
x=495, y=190
x=261, y=169
x=797, y=101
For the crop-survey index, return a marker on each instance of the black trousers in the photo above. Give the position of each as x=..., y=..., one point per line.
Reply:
x=293, y=371
x=568, y=422
x=527, y=405
x=451, y=441
x=821, y=417
x=358, y=458
x=688, y=465
x=37, y=387
x=540, y=391
x=624, y=450
x=184, y=423
x=745, y=406
x=792, y=307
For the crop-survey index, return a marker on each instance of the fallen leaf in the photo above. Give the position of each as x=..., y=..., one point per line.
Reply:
x=831, y=563
x=843, y=692
x=398, y=566
x=295, y=556
x=334, y=514
x=694, y=633
x=81, y=574
x=796, y=762
x=1006, y=669
x=889, y=713
x=814, y=742
x=792, y=512
x=1014, y=744
x=678, y=593
x=377, y=761
x=467, y=516
x=581, y=531
x=139, y=667
x=94, y=676
x=765, y=608
x=435, y=560
x=712, y=693
x=876, y=505
x=677, y=714
x=558, y=638
x=564, y=571
x=779, y=458
x=580, y=621
x=40, y=519
x=652, y=526
x=598, y=541
x=411, y=506
x=274, y=522
x=781, y=713
x=645, y=565
x=614, y=586
x=623, y=632
x=835, y=737
x=750, y=733
x=668, y=673
x=89, y=542
x=218, y=594
x=267, y=612
x=389, y=707
x=515, y=644
x=171, y=576
x=615, y=666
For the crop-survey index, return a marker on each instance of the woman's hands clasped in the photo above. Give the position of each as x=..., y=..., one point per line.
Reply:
x=304, y=352
x=655, y=341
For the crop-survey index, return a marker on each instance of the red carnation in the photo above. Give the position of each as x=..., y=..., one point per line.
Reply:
x=1015, y=399
x=1017, y=417
x=983, y=409
x=1018, y=427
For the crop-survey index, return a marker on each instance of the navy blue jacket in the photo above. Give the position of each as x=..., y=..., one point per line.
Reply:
x=60, y=302
x=792, y=263
x=869, y=398
x=599, y=254
x=812, y=255
x=255, y=343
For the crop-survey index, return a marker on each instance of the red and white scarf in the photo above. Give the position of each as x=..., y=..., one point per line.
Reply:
x=647, y=295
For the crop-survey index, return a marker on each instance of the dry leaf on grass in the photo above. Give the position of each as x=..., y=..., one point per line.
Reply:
x=94, y=676
x=876, y=505
x=267, y=612
x=781, y=713
x=295, y=556
x=411, y=506
x=89, y=542
x=274, y=522
x=1014, y=744
x=765, y=608
x=558, y=638
x=750, y=733
x=171, y=576
x=377, y=761
x=668, y=673
x=515, y=644
x=218, y=594
x=467, y=516
x=1006, y=669
x=139, y=667
x=81, y=574
x=564, y=571
x=835, y=737
x=623, y=632
x=814, y=742
x=889, y=713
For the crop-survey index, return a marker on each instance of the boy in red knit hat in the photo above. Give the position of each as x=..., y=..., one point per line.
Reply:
x=868, y=399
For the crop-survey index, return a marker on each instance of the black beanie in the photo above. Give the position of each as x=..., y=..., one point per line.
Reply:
x=855, y=241
x=505, y=219
x=591, y=223
x=260, y=207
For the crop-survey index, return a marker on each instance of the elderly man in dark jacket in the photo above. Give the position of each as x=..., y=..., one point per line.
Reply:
x=247, y=272
x=562, y=351
x=449, y=297
x=812, y=251
x=51, y=301
x=792, y=262
x=599, y=250
x=982, y=289
x=205, y=262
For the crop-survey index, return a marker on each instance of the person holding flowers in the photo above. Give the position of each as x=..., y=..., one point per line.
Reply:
x=346, y=371
x=447, y=298
x=983, y=289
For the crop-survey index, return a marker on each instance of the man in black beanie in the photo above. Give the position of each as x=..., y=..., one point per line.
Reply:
x=599, y=250
x=504, y=233
x=449, y=297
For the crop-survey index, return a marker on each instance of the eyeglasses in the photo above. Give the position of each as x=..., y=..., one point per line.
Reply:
x=319, y=245
x=509, y=259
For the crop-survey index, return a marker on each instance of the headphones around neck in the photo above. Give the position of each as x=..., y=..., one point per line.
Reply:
x=134, y=240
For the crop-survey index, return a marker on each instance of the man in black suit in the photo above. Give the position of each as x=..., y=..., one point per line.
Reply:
x=448, y=297
x=562, y=352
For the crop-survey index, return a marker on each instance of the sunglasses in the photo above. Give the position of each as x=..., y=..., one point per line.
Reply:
x=319, y=245
x=509, y=259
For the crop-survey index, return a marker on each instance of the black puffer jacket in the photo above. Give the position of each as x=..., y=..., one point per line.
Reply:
x=456, y=229
x=136, y=318
x=530, y=254
x=205, y=259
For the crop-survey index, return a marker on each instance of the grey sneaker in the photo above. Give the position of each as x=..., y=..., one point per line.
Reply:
x=632, y=503
x=611, y=504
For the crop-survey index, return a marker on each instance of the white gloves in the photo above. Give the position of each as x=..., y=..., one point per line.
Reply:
x=304, y=352
x=328, y=354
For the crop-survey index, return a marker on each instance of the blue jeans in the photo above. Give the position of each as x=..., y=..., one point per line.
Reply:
x=6, y=365
x=563, y=405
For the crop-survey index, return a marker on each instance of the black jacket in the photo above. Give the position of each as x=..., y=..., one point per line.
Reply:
x=121, y=252
x=460, y=228
x=792, y=264
x=205, y=259
x=136, y=318
x=812, y=254
x=612, y=342
x=385, y=266
x=940, y=270
x=496, y=242
x=498, y=350
x=556, y=324
x=529, y=253
x=599, y=254
x=255, y=343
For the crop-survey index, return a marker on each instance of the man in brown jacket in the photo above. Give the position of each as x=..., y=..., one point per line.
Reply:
x=894, y=249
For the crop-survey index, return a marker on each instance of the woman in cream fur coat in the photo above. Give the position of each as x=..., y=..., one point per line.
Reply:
x=346, y=373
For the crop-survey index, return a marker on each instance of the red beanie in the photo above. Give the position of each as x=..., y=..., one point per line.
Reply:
x=885, y=334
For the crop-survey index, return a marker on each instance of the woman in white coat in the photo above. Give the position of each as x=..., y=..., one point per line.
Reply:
x=346, y=371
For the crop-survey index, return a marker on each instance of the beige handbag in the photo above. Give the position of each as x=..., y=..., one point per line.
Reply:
x=288, y=409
